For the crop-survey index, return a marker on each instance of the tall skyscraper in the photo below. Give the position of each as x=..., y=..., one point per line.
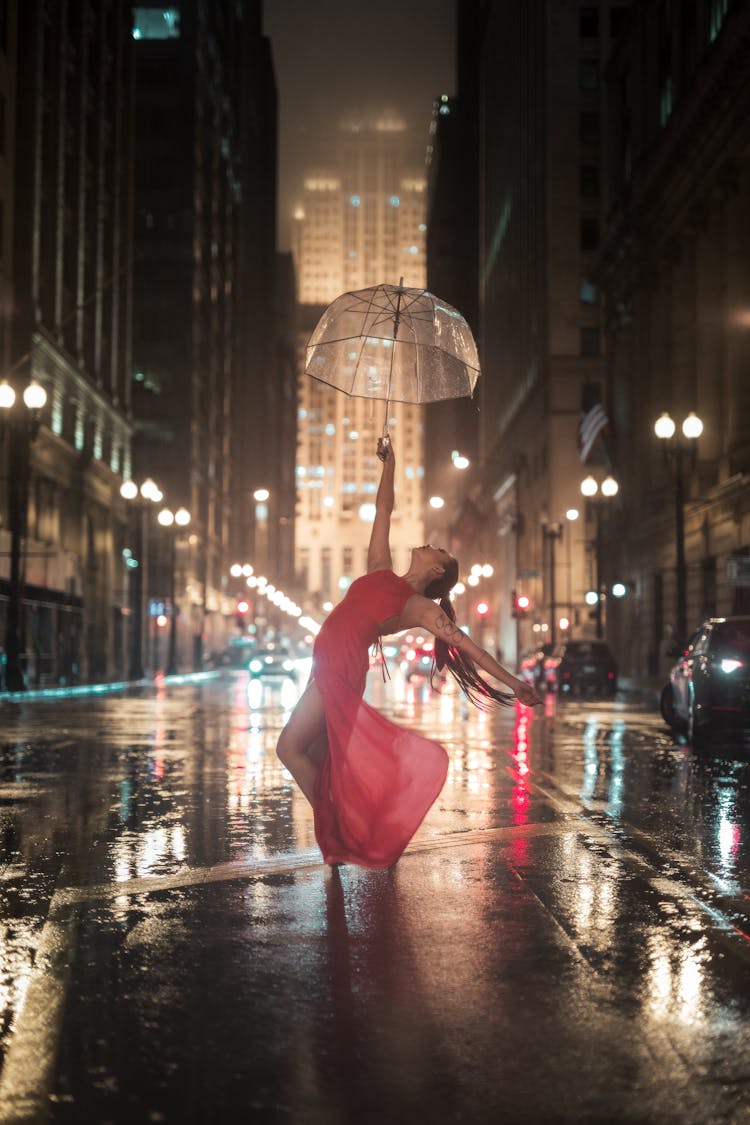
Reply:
x=205, y=397
x=65, y=281
x=361, y=222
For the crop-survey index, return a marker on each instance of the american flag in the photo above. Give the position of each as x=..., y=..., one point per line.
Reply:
x=591, y=425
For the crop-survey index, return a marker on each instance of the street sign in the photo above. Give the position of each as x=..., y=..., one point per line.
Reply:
x=528, y=574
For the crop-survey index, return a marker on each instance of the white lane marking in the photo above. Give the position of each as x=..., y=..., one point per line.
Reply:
x=30, y=1058
x=28, y=1069
x=298, y=861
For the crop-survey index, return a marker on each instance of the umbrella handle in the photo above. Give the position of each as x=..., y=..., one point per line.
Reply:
x=384, y=445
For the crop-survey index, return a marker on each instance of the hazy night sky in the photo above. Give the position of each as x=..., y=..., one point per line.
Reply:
x=331, y=56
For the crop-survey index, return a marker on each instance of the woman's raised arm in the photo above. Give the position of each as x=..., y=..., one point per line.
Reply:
x=379, y=551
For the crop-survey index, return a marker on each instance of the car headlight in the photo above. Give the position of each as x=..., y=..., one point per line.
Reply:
x=729, y=666
x=288, y=665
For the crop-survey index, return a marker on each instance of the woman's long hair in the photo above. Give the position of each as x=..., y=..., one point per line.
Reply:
x=462, y=668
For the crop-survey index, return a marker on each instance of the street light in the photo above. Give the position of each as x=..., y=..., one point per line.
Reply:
x=597, y=493
x=677, y=451
x=22, y=420
x=140, y=498
x=551, y=532
x=173, y=520
x=261, y=496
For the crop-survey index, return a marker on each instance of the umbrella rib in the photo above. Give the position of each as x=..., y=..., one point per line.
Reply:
x=364, y=341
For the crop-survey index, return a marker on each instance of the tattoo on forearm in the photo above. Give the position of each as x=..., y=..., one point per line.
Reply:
x=448, y=629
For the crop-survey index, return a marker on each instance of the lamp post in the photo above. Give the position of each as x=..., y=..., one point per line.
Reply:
x=173, y=521
x=261, y=496
x=551, y=532
x=679, y=451
x=140, y=497
x=21, y=420
x=598, y=493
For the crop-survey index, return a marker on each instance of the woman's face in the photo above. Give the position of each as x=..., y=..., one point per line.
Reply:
x=431, y=555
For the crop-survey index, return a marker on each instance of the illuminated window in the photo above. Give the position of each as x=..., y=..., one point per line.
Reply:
x=719, y=9
x=156, y=23
x=589, y=293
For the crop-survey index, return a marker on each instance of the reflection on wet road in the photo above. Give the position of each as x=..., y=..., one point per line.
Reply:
x=567, y=937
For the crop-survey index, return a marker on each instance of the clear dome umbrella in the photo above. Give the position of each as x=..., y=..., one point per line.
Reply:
x=396, y=344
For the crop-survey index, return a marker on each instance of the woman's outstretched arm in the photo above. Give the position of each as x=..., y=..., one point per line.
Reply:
x=425, y=614
x=379, y=551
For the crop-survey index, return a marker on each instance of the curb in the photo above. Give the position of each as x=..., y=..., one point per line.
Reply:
x=37, y=695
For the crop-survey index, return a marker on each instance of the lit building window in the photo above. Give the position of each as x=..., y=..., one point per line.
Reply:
x=98, y=438
x=56, y=423
x=156, y=23
x=589, y=292
x=78, y=439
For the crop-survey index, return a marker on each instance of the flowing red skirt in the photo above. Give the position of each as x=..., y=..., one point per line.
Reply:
x=377, y=782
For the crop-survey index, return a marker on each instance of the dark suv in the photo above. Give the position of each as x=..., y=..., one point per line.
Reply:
x=581, y=667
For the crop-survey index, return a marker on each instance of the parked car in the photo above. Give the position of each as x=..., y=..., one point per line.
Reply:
x=237, y=653
x=532, y=666
x=578, y=667
x=273, y=663
x=709, y=686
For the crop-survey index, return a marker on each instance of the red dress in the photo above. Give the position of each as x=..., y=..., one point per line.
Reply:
x=378, y=780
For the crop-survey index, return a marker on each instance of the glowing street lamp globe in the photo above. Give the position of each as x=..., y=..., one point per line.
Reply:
x=35, y=396
x=692, y=427
x=664, y=426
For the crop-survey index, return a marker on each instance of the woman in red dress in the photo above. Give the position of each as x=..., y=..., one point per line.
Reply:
x=369, y=781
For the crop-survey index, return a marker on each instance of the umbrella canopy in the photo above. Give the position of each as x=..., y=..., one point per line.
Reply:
x=396, y=344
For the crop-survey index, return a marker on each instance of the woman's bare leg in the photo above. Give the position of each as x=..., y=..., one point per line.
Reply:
x=302, y=744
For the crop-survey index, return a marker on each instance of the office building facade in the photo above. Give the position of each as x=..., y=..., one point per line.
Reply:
x=66, y=85
x=360, y=222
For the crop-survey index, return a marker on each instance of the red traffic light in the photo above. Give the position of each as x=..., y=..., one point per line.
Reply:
x=481, y=609
x=243, y=606
x=523, y=602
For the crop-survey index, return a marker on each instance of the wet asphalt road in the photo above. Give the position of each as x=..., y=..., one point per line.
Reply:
x=567, y=938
